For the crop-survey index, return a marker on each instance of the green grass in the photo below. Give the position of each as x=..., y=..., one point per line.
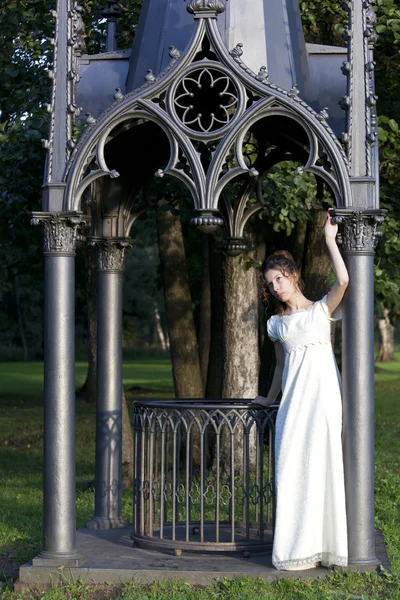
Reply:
x=387, y=457
x=21, y=448
x=21, y=399
x=24, y=381
x=346, y=586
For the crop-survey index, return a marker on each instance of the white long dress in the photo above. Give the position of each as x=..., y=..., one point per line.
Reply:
x=310, y=526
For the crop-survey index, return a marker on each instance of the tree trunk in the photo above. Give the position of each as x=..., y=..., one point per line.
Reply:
x=215, y=361
x=21, y=326
x=163, y=339
x=127, y=445
x=241, y=360
x=317, y=261
x=89, y=387
x=386, y=334
x=182, y=333
x=184, y=350
x=299, y=239
x=241, y=355
x=205, y=314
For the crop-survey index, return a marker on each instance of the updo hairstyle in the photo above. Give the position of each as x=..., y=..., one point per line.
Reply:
x=282, y=261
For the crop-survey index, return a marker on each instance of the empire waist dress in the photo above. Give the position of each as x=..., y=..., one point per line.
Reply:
x=310, y=526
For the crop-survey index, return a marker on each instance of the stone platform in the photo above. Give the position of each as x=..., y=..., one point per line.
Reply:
x=109, y=557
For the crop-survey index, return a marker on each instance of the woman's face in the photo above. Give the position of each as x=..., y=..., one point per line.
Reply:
x=279, y=285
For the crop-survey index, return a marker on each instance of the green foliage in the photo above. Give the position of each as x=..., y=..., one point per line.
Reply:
x=21, y=259
x=324, y=21
x=26, y=53
x=96, y=24
x=387, y=57
x=389, y=146
x=387, y=476
x=143, y=294
x=291, y=195
x=387, y=276
x=26, y=29
x=339, y=586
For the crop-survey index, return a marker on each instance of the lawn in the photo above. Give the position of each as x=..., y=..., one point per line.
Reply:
x=21, y=398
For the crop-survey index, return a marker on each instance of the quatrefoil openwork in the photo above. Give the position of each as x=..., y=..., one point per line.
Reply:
x=206, y=100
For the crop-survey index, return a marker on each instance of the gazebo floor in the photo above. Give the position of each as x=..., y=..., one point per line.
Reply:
x=109, y=557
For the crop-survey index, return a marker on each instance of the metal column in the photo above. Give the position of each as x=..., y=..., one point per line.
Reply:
x=359, y=236
x=108, y=495
x=59, y=522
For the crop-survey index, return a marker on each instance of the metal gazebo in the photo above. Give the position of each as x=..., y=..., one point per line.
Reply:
x=283, y=84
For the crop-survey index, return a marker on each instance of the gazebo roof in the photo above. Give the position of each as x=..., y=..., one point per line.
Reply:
x=270, y=31
x=271, y=34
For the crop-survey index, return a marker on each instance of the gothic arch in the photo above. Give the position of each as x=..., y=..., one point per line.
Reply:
x=245, y=98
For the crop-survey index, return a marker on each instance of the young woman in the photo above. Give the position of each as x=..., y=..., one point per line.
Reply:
x=310, y=526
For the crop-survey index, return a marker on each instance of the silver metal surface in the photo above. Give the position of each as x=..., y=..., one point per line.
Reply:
x=68, y=46
x=195, y=486
x=108, y=492
x=59, y=522
x=359, y=237
x=101, y=75
x=59, y=406
x=271, y=34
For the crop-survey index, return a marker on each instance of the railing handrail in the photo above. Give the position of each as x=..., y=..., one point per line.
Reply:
x=201, y=403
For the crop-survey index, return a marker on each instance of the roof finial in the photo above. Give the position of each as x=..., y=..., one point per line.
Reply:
x=201, y=7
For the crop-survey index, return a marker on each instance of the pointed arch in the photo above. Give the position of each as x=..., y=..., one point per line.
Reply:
x=257, y=97
x=338, y=180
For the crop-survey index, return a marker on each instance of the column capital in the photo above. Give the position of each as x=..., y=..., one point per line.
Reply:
x=358, y=231
x=110, y=252
x=60, y=231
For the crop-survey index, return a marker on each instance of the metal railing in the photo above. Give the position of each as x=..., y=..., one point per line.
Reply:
x=203, y=475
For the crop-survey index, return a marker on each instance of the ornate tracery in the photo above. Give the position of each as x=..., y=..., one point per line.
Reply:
x=208, y=95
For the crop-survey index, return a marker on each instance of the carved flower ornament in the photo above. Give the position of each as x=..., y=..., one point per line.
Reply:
x=206, y=100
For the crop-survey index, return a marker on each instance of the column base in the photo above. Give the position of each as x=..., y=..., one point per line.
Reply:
x=106, y=523
x=58, y=559
x=371, y=565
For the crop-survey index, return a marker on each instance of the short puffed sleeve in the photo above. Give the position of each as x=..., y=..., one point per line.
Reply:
x=337, y=314
x=271, y=328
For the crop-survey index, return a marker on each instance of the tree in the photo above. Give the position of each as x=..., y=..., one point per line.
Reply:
x=182, y=333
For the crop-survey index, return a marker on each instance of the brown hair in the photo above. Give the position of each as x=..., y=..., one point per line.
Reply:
x=282, y=261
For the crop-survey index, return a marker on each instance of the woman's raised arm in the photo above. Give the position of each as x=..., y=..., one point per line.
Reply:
x=342, y=277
